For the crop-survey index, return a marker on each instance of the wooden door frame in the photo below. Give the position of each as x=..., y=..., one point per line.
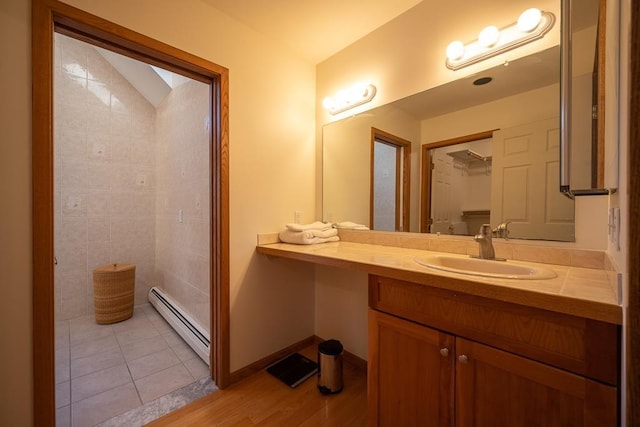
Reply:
x=49, y=16
x=426, y=171
x=403, y=162
x=633, y=309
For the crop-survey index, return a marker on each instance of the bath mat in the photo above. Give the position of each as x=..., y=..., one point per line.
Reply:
x=293, y=369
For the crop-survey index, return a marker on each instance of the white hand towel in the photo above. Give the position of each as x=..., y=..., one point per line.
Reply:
x=348, y=225
x=305, y=238
x=330, y=232
x=318, y=225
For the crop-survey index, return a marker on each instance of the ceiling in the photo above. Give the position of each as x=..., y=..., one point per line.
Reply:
x=313, y=29
x=521, y=75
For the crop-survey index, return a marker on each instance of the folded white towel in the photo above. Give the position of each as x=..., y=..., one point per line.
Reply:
x=348, y=225
x=318, y=225
x=329, y=232
x=308, y=237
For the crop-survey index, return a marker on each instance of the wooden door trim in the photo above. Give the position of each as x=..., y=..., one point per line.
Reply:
x=405, y=160
x=49, y=16
x=633, y=182
x=425, y=171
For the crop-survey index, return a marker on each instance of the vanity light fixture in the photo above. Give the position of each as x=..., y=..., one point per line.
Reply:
x=349, y=98
x=532, y=25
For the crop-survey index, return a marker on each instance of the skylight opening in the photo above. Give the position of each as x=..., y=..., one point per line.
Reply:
x=165, y=75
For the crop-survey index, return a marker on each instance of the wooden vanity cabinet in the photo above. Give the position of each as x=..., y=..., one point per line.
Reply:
x=528, y=367
x=409, y=380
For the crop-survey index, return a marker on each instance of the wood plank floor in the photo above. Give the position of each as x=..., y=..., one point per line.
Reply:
x=263, y=400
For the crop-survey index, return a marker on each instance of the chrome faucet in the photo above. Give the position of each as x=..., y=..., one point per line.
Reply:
x=484, y=240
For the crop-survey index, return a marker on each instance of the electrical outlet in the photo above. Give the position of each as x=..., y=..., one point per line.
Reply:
x=614, y=227
x=296, y=217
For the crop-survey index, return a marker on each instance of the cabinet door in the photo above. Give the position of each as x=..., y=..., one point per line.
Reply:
x=410, y=374
x=495, y=388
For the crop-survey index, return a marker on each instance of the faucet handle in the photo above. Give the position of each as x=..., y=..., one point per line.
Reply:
x=502, y=229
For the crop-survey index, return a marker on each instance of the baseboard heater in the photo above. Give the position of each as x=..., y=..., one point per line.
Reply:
x=190, y=331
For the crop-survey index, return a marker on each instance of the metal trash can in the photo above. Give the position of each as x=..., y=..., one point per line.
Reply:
x=330, y=367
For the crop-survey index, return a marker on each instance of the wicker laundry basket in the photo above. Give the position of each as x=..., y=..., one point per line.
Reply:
x=113, y=290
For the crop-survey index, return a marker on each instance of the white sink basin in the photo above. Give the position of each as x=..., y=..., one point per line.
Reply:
x=485, y=268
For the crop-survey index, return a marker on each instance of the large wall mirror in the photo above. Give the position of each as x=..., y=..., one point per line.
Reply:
x=484, y=148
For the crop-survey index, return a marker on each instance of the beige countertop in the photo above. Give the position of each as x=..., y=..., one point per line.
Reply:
x=583, y=292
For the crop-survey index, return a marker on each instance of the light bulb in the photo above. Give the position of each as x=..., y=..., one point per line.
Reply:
x=328, y=103
x=455, y=50
x=489, y=36
x=529, y=19
x=357, y=92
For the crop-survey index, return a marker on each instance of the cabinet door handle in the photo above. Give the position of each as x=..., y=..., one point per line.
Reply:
x=463, y=358
x=444, y=352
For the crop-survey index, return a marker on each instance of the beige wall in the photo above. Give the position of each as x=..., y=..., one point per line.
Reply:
x=15, y=215
x=272, y=149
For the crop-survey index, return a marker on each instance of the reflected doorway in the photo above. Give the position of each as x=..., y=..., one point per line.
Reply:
x=390, y=175
x=453, y=169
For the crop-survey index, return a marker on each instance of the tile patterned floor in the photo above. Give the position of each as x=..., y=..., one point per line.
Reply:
x=124, y=369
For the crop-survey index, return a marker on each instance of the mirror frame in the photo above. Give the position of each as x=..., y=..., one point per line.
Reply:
x=598, y=161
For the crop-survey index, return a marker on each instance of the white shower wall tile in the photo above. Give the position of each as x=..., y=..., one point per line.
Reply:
x=99, y=176
x=120, y=148
x=72, y=308
x=99, y=227
x=71, y=90
x=73, y=285
x=121, y=124
x=73, y=174
x=72, y=145
x=97, y=67
x=143, y=129
x=71, y=246
x=73, y=203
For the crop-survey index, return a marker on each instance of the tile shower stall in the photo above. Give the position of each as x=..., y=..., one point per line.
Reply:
x=131, y=183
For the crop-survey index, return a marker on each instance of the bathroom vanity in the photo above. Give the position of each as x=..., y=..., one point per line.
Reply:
x=450, y=349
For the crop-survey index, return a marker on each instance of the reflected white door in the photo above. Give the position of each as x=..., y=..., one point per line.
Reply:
x=441, y=196
x=525, y=183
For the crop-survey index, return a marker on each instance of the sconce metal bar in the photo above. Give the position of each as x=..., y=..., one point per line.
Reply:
x=546, y=23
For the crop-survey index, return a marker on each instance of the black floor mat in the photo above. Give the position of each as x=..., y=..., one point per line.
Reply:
x=293, y=369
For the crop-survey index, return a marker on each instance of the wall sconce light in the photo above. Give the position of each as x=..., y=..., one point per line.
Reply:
x=348, y=98
x=532, y=25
